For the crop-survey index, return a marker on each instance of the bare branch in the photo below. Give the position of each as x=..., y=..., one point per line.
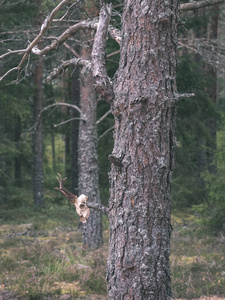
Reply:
x=77, y=62
x=72, y=50
x=99, y=207
x=107, y=131
x=65, y=35
x=115, y=34
x=33, y=128
x=7, y=73
x=44, y=28
x=67, y=121
x=211, y=50
x=187, y=46
x=193, y=5
x=87, y=24
x=66, y=13
x=185, y=95
x=198, y=4
x=103, y=82
x=104, y=116
x=21, y=51
x=26, y=51
x=113, y=53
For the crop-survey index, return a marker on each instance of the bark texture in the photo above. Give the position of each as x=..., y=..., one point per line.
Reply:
x=37, y=143
x=143, y=154
x=75, y=92
x=88, y=159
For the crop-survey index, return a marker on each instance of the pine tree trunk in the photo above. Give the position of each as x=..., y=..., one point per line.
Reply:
x=65, y=112
x=37, y=142
x=212, y=90
x=75, y=95
x=143, y=155
x=88, y=159
x=87, y=144
x=17, y=163
x=53, y=150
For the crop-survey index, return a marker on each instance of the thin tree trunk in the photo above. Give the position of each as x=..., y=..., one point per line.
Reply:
x=87, y=145
x=53, y=150
x=143, y=154
x=17, y=164
x=37, y=141
x=212, y=90
x=88, y=159
x=75, y=92
x=65, y=98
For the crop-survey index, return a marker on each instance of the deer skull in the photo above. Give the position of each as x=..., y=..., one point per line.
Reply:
x=82, y=210
x=79, y=202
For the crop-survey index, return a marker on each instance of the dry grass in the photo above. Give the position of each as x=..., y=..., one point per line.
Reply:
x=43, y=258
x=46, y=261
x=197, y=260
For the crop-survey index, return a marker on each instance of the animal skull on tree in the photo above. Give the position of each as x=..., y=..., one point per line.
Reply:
x=80, y=202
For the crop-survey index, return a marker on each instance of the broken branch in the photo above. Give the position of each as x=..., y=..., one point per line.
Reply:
x=104, y=116
x=103, y=209
x=198, y=4
x=77, y=62
x=33, y=128
x=103, y=82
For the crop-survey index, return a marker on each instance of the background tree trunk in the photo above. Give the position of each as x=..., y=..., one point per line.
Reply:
x=75, y=95
x=87, y=145
x=212, y=90
x=37, y=142
x=88, y=158
x=17, y=163
x=65, y=111
x=143, y=154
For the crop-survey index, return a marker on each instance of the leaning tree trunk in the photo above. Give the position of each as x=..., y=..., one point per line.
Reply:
x=143, y=154
x=88, y=160
x=37, y=143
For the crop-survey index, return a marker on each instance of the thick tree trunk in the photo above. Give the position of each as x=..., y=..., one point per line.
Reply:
x=37, y=142
x=88, y=159
x=143, y=154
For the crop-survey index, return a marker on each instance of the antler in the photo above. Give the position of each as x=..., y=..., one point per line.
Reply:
x=79, y=202
x=71, y=197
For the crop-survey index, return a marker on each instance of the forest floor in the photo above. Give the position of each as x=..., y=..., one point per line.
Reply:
x=42, y=257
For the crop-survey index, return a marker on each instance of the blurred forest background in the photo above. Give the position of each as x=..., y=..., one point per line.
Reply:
x=34, y=151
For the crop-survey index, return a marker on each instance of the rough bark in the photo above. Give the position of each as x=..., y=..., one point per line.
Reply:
x=37, y=143
x=87, y=143
x=65, y=112
x=88, y=162
x=75, y=86
x=143, y=154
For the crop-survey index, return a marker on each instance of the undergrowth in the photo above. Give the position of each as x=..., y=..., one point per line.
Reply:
x=42, y=256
